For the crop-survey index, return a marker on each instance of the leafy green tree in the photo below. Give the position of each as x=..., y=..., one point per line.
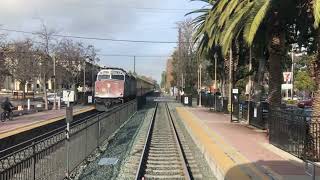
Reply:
x=304, y=82
x=163, y=79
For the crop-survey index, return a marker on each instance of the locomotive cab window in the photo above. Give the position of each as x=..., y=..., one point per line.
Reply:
x=118, y=75
x=103, y=77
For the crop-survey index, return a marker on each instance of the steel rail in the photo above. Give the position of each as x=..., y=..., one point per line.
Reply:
x=145, y=151
x=186, y=168
x=141, y=167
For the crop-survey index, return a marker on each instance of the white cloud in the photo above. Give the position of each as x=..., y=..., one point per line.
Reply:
x=76, y=16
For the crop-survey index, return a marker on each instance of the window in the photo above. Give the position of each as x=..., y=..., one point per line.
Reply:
x=103, y=77
x=118, y=77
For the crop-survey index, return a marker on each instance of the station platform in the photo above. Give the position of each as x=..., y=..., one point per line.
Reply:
x=239, y=151
x=27, y=122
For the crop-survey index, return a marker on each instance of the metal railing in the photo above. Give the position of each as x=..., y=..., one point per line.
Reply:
x=259, y=112
x=56, y=156
x=295, y=132
x=210, y=101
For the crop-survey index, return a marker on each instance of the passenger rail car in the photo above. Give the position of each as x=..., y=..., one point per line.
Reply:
x=115, y=85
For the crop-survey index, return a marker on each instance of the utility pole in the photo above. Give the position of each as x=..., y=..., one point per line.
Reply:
x=250, y=83
x=200, y=84
x=54, y=83
x=134, y=64
x=230, y=79
x=84, y=81
x=292, y=70
x=215, y=81
x=179, y=46
x=92, y=77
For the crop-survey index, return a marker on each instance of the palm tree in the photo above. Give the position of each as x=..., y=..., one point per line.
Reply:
x=315, y=6
x=226, y=20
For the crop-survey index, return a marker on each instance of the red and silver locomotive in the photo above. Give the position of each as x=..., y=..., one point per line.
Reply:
x=115, y=85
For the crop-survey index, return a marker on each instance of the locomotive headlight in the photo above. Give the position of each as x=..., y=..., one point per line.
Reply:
x=108, y=85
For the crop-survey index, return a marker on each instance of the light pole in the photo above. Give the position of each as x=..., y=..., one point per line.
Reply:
x=215, y=81
x=84, y=80
x=54, y=84
x=92, y=77
x=250, y=84
x=292, y=69
x=200, y=72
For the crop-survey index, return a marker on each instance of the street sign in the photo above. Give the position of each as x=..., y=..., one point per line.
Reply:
x=186, y=100
x=90, y=99
x=235, y=91
x=287, y=77
x=286, y=86
x=68, y=96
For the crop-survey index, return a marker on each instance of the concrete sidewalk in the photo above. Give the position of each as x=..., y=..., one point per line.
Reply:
x=238, y=151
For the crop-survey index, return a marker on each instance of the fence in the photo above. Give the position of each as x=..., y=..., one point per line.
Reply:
x=259, y=114
x=208, y=100
x=55, y=157
x=296, y=132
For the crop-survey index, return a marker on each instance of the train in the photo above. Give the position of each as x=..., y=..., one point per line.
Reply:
x=116, y=86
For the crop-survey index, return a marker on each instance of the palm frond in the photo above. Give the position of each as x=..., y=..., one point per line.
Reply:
x=232, y=26
x=227, y=12
x=256, y=17
x=316, y=13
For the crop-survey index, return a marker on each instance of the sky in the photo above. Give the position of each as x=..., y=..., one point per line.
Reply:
x=149, y=20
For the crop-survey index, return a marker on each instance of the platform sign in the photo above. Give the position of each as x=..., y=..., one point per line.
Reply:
x=255, y=112
x=186, y=100
x=90, y=99
x=68, y=96
x=235, y=91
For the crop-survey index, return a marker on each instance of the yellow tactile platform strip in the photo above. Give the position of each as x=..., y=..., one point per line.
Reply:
x=224, y=160
x=40, y=123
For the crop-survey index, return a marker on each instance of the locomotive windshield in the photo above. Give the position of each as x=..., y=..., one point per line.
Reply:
x=110, y=74
x=117, y=75
x=103, y=77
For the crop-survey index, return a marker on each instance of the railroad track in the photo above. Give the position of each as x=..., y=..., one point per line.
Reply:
x=163, y=156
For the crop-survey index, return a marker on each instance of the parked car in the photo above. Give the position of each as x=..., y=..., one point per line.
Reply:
x=50, y=98
x=305, y=103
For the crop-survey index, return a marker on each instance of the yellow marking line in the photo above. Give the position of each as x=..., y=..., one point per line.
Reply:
x=39, y=123
x=224, y=155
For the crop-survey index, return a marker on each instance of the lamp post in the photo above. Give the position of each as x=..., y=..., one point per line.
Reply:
x=84, y=80
x=215, y=81
x=54, y=84
x=292, y=69
x=200, y=72
x=92, y=77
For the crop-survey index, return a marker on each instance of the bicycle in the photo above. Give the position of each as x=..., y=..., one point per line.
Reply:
x=6, y=115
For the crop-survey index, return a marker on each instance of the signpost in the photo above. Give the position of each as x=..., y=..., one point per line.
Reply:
x=68, y=96
x=235, y=105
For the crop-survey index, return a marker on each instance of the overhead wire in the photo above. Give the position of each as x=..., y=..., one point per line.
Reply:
x=96, y=38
